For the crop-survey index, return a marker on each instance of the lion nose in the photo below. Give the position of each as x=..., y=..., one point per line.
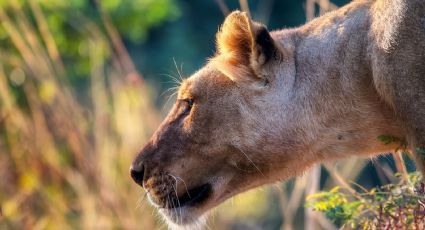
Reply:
x=137, y=173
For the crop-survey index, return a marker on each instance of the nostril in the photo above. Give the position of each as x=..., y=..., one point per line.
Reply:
x=137, y=174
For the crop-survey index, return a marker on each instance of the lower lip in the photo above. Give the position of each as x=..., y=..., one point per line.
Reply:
x=192, y=197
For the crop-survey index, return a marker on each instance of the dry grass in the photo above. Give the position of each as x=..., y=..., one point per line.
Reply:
x=64, y=164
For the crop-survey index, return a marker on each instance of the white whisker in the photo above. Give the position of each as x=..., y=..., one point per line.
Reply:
x=175, y=80
x=140, y=202
x=252, y=162
x=178, y=71
x=169, y=98
x=184, y=183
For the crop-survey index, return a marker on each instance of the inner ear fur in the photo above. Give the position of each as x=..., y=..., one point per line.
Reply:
x=243, y=47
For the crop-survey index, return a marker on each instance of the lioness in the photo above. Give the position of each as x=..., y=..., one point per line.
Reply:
x=269, y=105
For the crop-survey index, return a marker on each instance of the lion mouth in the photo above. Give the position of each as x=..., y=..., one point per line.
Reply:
x=192, y=197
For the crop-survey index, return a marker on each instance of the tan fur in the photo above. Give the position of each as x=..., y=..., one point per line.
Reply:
x=267, y=108
x=237, y=55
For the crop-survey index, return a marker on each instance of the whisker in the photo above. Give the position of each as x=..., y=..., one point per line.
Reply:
x=181, y=68
x=174, y=88
x=174, y=79
x=207, y=225
x=168, y=99
x=184, y=183
x=178, y=71
x=252, y=162
x=179, y=215
x=170, y=201
x=140, y=202
x=243, y=170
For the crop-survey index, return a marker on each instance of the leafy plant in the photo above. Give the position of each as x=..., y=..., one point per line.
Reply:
x=393, y=206
x=387, y=139
x=421, y=151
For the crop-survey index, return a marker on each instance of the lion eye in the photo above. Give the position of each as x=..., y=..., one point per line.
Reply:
x=189, y=105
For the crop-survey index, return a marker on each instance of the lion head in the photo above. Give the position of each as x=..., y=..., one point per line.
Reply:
x=219, y=138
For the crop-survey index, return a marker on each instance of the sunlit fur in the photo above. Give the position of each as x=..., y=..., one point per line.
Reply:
x=324, y=91
x=234, y=40
x=175, y=220
x=237, y=55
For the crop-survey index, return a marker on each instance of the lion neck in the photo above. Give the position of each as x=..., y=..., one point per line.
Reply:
x=335, y=100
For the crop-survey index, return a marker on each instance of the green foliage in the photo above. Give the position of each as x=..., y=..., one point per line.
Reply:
x=133, y=18
x=400, y=205
x=335, y=205
x=388, y=139
x=76, y=24
x=421, y=151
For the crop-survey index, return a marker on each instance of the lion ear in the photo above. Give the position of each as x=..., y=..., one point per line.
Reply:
x=244, y=45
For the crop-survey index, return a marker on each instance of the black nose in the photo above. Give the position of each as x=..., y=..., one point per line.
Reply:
x=137, y=173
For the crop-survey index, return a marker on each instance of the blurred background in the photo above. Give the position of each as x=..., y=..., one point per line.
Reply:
x=83, y=85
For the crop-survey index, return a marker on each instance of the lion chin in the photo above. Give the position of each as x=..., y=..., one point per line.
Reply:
x=183, y=219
